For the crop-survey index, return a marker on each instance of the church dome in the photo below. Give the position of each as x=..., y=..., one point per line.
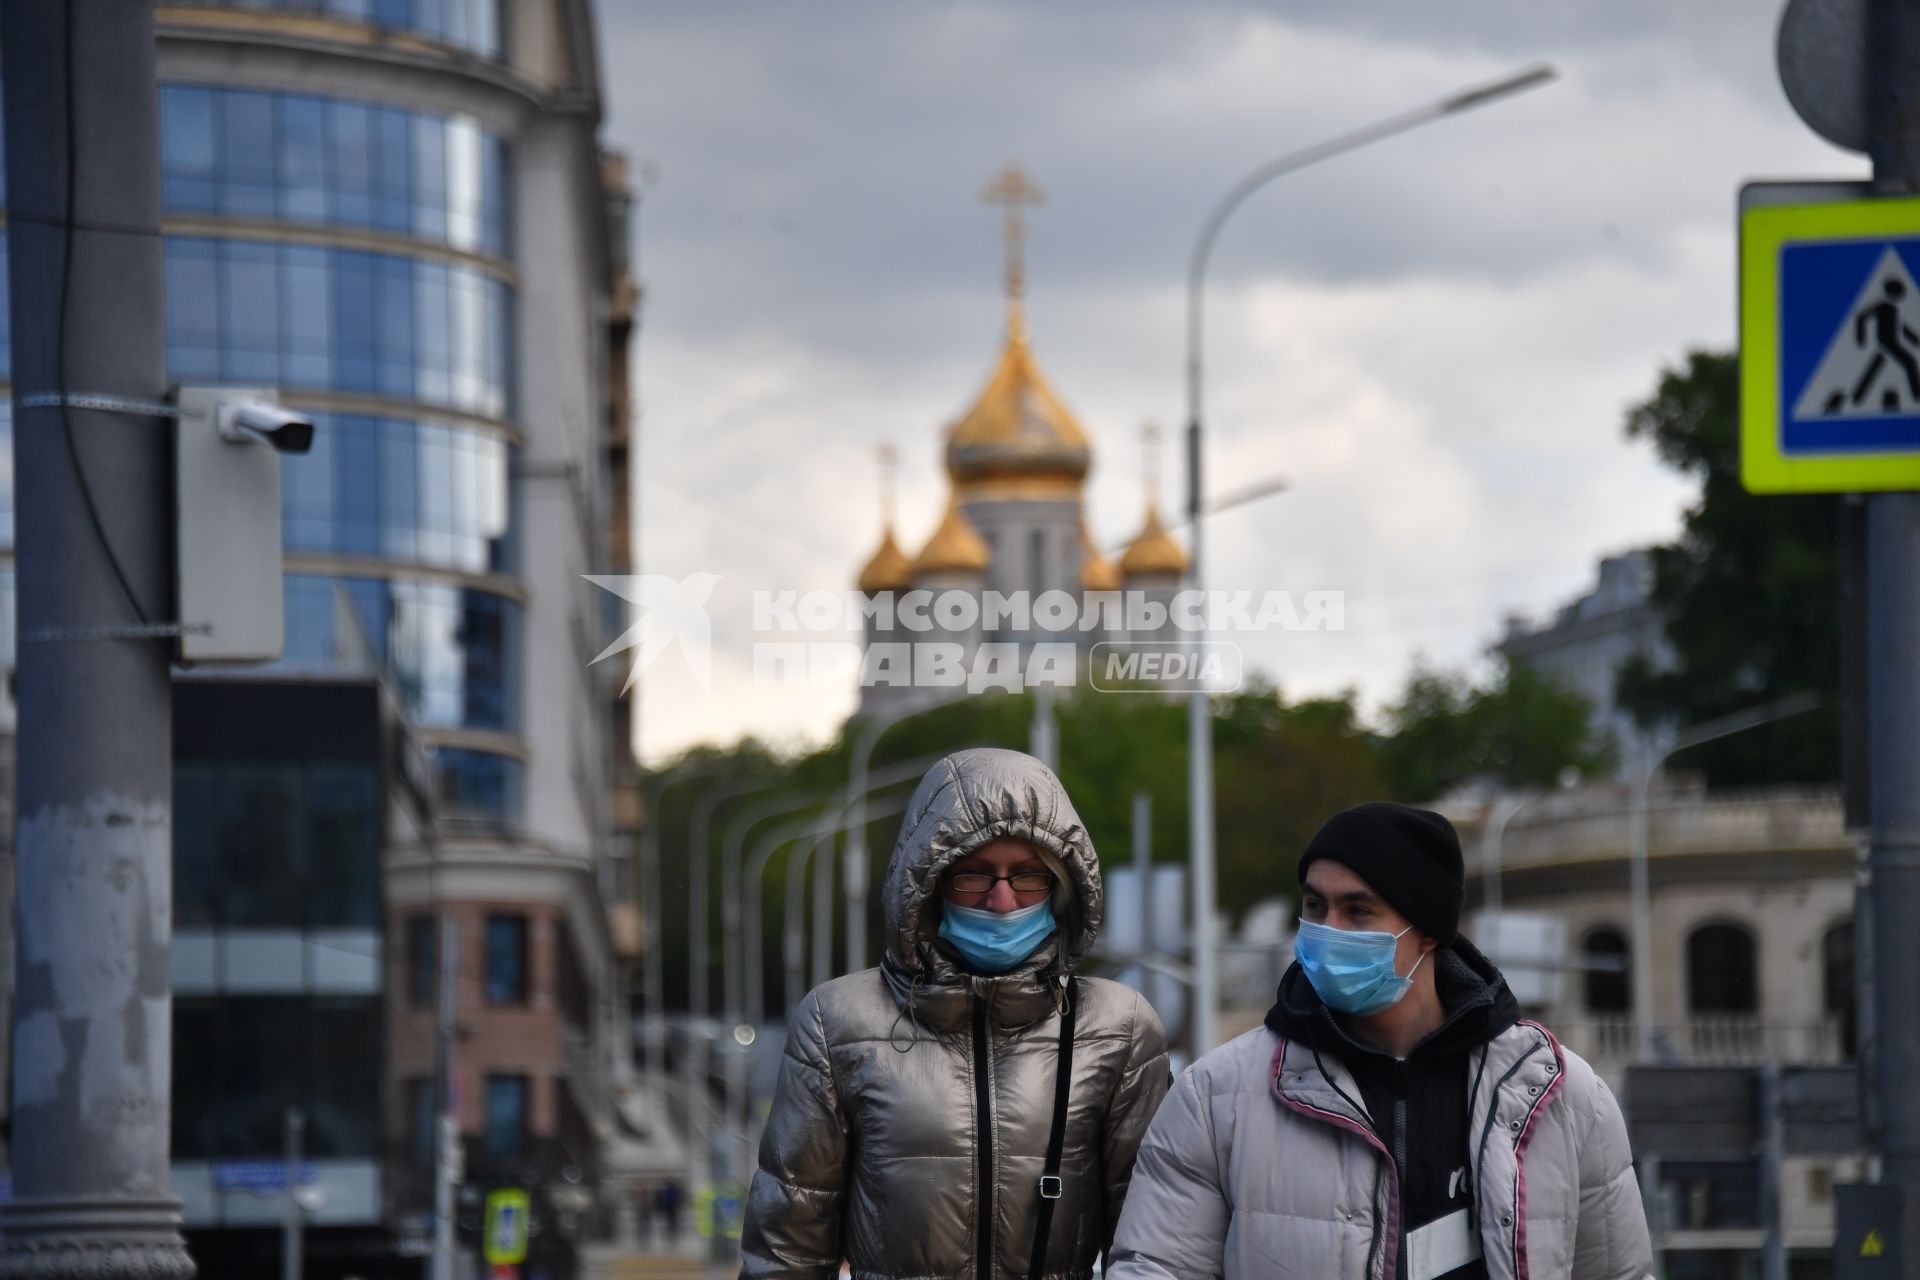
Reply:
x=889, y=569
x=1018, y=430
x=955, y=547
x=1154, y=551
x=1097, y=573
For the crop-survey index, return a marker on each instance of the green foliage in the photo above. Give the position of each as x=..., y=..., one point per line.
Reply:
x=1280, y=770
x=1522, y=730
x=1750, y=590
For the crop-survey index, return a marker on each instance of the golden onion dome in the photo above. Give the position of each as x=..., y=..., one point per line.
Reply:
x=1154, y=551
x=1018, y=431
x=955, y=546
x=889, y=569
x=1097, y=573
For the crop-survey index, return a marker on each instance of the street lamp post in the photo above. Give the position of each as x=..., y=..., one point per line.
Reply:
x=755, y=1008
x=1199, y=711
x=653, y=1052
x=1504, y=811
x=699, y=1057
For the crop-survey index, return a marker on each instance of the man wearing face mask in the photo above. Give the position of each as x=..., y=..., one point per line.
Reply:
x=1396, y=1118
x=971, y=1107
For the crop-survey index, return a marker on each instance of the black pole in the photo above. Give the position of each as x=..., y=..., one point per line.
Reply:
x=1893, y=692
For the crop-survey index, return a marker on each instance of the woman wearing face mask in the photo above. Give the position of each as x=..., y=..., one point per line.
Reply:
x=970, y=1107
x=1396, y=1118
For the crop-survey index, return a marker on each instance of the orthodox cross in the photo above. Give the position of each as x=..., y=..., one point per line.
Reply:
x=1015, y=192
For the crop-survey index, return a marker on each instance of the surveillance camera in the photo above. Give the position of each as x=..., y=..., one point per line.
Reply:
x=285, y=429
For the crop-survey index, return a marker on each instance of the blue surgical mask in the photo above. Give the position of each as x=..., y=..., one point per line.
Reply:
x=1352, y=970
x=995, y=941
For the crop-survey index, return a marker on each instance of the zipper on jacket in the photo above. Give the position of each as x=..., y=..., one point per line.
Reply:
x=983, y=1123
x=1400, y=1171
x=1379, y=1218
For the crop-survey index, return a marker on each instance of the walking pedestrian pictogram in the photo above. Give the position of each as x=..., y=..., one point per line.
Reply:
x=1872, y=367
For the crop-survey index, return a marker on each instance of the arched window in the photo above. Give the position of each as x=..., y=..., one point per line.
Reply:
x=1604, y=959
x=1720, y=970
x=1837, y=973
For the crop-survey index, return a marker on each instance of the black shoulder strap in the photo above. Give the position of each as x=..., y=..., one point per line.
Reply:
x=1051, y=1186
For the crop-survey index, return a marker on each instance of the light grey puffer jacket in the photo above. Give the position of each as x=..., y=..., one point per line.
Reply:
x=1262, y=1163
x=910, y=1120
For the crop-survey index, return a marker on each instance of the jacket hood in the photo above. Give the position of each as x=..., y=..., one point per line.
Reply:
x=1478, y=1004
x=969, y=799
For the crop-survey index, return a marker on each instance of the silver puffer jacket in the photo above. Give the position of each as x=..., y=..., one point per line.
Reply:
x=909, y=1125
x=1263, y=1165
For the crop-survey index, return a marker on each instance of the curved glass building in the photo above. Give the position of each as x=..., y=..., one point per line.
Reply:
x=393, y=211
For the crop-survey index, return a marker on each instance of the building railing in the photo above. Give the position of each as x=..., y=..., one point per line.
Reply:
x=1592, y=826
x=1728, y=1040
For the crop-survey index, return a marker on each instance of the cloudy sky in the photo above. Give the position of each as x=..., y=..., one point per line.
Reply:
x=1433, y=340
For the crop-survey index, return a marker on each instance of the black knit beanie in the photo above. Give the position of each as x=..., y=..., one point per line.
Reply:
x=1411, y=857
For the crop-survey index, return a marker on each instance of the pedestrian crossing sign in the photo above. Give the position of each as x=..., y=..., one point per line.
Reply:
x=1829, y=339
x=509, y=1213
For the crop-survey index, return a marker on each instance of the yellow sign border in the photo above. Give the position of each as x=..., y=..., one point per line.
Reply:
x=1764, y=231
x=497, y=1200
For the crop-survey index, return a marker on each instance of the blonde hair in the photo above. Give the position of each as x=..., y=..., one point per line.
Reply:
x=1066, y=893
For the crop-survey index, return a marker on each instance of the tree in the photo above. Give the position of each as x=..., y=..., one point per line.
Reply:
x=1750, y=591
x=1522, y=730
x=1280, y=771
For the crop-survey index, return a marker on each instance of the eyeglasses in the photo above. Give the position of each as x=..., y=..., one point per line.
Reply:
x=981, y=882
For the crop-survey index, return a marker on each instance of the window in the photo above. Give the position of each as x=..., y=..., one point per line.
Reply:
x=506, y=959
x=1604, y=959
x=1713, y=1195
x=193, y=309
x=472, y=25
x=307, y=319
x=350, y=156
x=342, y=1075
x=276, y=846
x=1720, y=970
x=1036, y=561
x=423, y=962
x=246, y=171
x=506, y=1115
x=196, y=846
x=301, y=158
x=454, y=653
x=478, y=785
x=188, y=146
x=422, y=1121
x=250, y=313
x=240, y=1061
x=260, y=847
x=339, y=319
x=343, y=845
x=1840, y=993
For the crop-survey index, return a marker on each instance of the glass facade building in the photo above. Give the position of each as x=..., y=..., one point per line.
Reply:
x=285, y=796
x=270, y=197
x=299, y=158
x=469, y=25
x=303, y=317
x=342, y=188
